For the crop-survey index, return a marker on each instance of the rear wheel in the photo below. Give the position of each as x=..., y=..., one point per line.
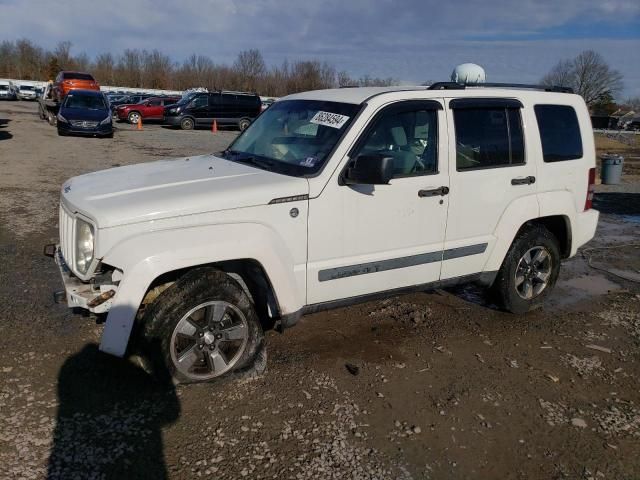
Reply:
x=202, y=328
x=187, y=123
x=529, y=271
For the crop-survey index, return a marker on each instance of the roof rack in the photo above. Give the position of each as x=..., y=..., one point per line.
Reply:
x=236, y=92
x=461, y=86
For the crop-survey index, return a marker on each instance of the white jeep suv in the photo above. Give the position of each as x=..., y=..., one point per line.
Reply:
x=329, y=198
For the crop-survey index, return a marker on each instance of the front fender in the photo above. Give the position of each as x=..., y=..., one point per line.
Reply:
x=146, y=256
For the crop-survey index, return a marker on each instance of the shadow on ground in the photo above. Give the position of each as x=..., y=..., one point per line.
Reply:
x=4, y=135
x=110, y=419
x=617, y=203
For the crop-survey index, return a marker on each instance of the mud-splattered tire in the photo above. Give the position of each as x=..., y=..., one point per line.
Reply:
x=529, y=271
x=203, y=328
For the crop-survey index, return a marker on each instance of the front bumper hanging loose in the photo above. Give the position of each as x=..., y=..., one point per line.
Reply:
x=78, y=294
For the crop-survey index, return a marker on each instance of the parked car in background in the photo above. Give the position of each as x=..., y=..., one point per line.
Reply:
x=85, y=112
x=67, y=81
x=202, y=108
x=115, y=100
x=7, y=90
x=27, y=92
x=129, y=99
x=149, y=109
x=138, y=97
x=267, y=103
x=633, y=125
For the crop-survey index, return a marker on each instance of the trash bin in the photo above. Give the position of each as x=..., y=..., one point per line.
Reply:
x=611, y=172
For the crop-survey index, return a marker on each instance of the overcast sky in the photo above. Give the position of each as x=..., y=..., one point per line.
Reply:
x=410, y=40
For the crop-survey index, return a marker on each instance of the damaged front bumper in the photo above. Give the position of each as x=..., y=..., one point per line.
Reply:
x=79, y=294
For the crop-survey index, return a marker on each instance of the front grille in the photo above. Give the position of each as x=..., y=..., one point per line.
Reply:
x=66, y=236
x=84, y=123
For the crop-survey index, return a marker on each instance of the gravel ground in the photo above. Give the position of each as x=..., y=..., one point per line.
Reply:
x=431, y=385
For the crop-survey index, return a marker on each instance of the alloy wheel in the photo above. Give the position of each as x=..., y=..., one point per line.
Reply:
x=209, y=340
x=533, y=272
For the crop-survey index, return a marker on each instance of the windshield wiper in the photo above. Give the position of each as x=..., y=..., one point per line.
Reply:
x=264, y=164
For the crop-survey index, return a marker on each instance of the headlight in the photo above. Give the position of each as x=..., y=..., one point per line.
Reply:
x=106, y=121
x=173, y=110
x=61, y=118
x=84, y=245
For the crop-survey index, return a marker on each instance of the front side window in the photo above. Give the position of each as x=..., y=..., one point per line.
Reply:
x=410, y=137
x=200, y=101
x=559, y=132
x=488, y=137
x=294, y=137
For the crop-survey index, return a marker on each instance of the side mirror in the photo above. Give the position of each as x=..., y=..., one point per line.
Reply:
x=370, y=170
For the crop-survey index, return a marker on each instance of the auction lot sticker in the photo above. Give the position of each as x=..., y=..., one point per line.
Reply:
x=328, y=119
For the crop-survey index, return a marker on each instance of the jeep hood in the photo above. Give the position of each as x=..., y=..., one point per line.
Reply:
x=170, y=188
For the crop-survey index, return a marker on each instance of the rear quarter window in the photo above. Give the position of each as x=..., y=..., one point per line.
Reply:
x=559, y=132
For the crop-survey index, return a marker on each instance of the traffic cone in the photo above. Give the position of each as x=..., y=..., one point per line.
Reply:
x=214, y=127
x=139, y=123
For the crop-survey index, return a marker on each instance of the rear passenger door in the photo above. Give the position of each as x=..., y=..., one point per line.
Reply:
x=489, y=171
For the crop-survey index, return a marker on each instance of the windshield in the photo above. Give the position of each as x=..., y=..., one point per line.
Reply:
x=294, y=137
x=4, y=87
x=26, y=87
x=187, y=97
x=92, y=102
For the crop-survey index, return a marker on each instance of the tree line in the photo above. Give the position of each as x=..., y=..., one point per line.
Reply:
x=22, y=59
x=588, y=73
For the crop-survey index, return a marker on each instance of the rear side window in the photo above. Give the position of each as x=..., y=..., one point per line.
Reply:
x=559, y=132
x=488, y=137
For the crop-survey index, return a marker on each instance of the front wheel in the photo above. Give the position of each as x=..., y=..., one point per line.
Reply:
x=202, y=328
x=187, y=124
x=529, y=271
x=244, y=124
x=133, y=118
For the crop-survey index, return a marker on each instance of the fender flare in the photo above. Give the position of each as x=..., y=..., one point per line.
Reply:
x=523, y=210
x=192, y=247
x=520, y=211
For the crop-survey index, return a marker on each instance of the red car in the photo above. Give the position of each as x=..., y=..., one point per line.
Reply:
x=149, y=109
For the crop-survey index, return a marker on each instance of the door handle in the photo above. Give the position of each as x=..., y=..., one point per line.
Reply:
x=523, y=181
x=434, y=192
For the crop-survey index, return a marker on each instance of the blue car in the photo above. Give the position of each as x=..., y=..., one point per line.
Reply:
x=85, y=112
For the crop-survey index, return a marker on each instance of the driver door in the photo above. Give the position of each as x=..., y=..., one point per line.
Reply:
x=154, y=109
x=372, y=238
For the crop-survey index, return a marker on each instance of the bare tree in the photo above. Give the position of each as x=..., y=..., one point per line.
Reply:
x=250, y=67
x=589, y=75
x=152, y=69
x=103, y=69
x=63, y=54
x=633, y=103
